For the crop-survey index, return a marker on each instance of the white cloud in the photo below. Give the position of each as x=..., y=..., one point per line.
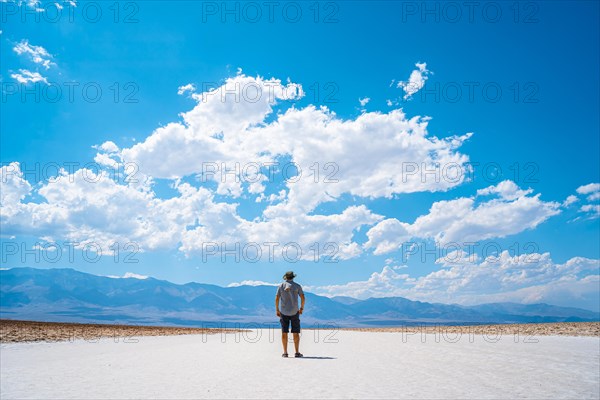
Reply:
x=589, y=188
x=129, y=275
x=273, y=197
x=190, y=87
x=34, y=4
x=463, y=220
x=570, y=200
x=592, y=209
x=363, y=102
x=592, y=190
x=387, y=236
x=217, y=130
x=52, y=248
x=236, y=123
x=228, y=127
x=333, y=234
x=39, y=6
x=529, y=278
x=37, y=54
x=86, y=207
x=108, y=147
x=368, y=159
x=251, y=283
x=25, y=76
x=416, y=81
x=108, y=151
x=14, y=188
x=106, y=160
x=456, y=257
x=380, y=284
x=507, y=190
x=594, y=196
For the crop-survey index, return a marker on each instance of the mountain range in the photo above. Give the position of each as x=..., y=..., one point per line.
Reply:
x=68, y=295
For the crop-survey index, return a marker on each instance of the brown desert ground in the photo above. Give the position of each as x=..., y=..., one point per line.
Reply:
x=12, y=331
x=540, y=329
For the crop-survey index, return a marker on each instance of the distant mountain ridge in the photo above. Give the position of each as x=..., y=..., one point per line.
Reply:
x=73, y=296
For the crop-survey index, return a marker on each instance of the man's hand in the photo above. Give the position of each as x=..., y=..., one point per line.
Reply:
x=278, y=313
x=303, y=299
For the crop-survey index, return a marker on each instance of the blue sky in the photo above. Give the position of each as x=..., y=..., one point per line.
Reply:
x=507, y=89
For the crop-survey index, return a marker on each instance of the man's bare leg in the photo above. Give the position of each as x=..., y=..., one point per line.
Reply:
x=284, y=341
x=297, y=342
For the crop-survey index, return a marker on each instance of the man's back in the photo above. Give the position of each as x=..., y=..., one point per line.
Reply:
x=286, y=306
x=288, y=293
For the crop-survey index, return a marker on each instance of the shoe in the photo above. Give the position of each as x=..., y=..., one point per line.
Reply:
x=284, y=355
x=298, y=355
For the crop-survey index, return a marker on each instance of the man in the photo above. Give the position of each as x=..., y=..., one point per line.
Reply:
x=287, y=294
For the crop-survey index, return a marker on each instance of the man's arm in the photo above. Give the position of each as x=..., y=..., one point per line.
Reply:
x=277, y=305
x=302, y=300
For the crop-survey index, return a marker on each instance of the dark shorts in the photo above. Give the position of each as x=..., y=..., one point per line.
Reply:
x=285, y=323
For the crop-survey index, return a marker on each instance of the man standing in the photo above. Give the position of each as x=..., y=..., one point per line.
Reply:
x=287, y=294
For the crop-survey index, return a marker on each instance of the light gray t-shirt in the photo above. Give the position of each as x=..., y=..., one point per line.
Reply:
x=288, y=293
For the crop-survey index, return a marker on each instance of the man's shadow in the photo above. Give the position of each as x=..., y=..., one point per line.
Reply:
x=317, y=358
